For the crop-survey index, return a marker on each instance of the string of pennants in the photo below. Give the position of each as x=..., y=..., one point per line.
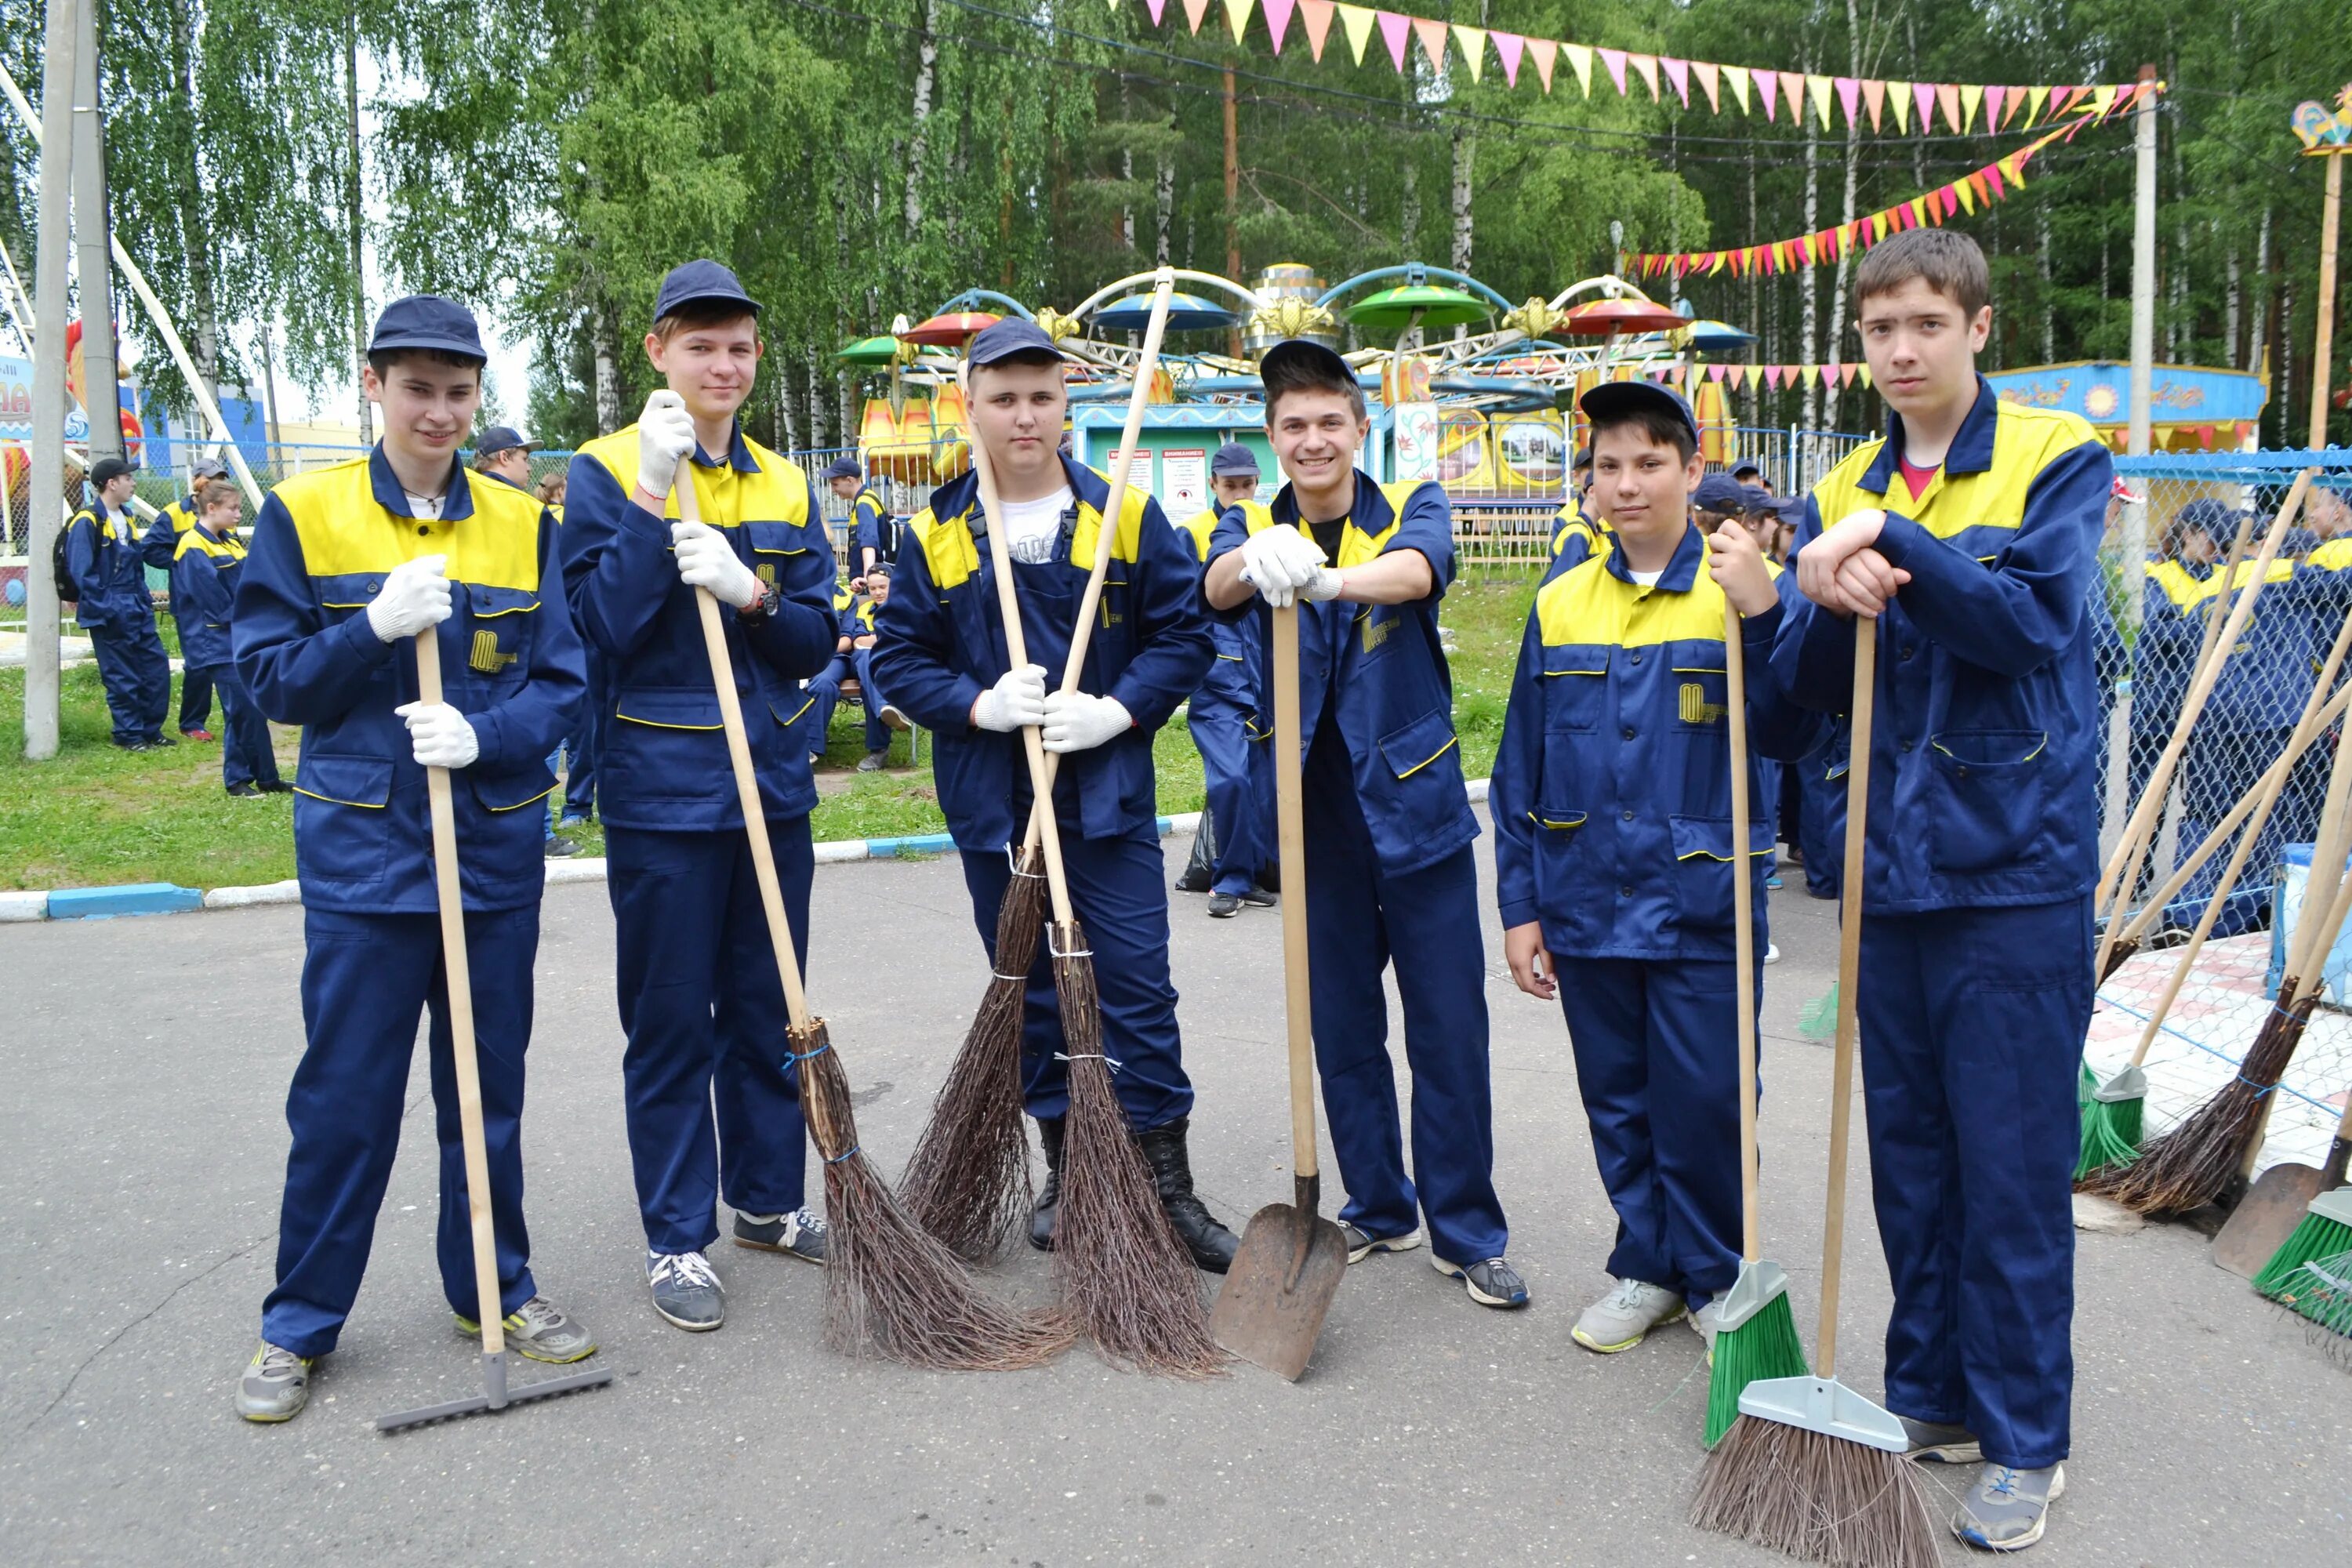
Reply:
x=1772, y=377
x=1745, y=88
x=1980, y=188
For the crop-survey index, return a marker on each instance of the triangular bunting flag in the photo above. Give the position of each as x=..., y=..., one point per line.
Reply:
x=1471, y=42
x=1873, y=95
x=1674, y=373
x=1813, y=375
x=1238, y=12
x=1917, y=207
x=1648, y=65
x=1738, y=77
x=1772, y=376
x=2036, y=98
x=1356, y=22
x=1967, y=198
x=1792, y=95
x=1277, y=20
x=1579, y=59
x=1715, y=374
x=1615, y=60
x=1706, y=72
x=1193, y=11
x=1432, y=42
x=2012, y=100
x=1317, y=15
x=1898, y=99
x=1818, y=89
x=1507, y=50
x=1157, y=8
x=1993, y=102
x=1865, y=375
x=1971, y=96
x=2102, y=101
x=1948, y=98
x=1394, y=30
x=1850, y=94
x=1990, y=174
x=1978, y=183
x=1768, y=84
x=1546, y=52
x=1678, y=72
x=1831, y=374
x=1923, y=99
x=1755, y=373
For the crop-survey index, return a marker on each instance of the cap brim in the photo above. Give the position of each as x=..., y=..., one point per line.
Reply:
x=719, y=297
x=1322, y=360
x=430, y=342
x=1614, y=397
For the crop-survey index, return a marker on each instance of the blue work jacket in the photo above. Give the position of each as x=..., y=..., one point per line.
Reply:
x=1377, y=671
x=509, y=663
x=1612, y=790
x=1237, y=677
x=108, y=571
x=160, y=546
x=941, y=645
x=665, y=764
x=871, y=527
x=1982, y=750
x=204, y=574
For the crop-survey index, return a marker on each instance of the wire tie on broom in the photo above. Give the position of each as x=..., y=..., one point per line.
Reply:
x=845, y=1154
x=1074, y=952
x=2260, y=1088
x=806, y=1056
x=1116, y=1065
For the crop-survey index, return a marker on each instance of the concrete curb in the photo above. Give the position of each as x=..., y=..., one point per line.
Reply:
x=166, y=899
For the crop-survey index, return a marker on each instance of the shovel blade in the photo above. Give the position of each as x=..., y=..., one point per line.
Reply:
x=2265, y=1217
x=1270, y=1309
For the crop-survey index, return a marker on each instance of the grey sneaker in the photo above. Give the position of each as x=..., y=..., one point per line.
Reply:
x=539, y=1330
x=1362, y=1243
x=1224, y=906
x=1708, y=1322
x=1619, y=1320
x=1940, y=1443
x=276, y=1384
x=1493, y=1283
x=2007, y=1508
x=799, y=1232
x=871, y=762
x=892, y=717
x=686, y=1292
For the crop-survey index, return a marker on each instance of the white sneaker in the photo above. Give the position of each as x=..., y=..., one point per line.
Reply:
x=1771, y=952
x=1708, y=1322
x=1619, y=1320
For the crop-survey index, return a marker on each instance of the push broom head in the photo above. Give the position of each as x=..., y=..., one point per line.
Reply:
x=1756, y=1339
x=2112, y=1123
x=968, y=1182
x=2321, y=1290
x=2325, y=1230
x=495, y=1395
x=890, y=1286
x=2195, y=1162
x=1814, y=1469
x=1126, y=1277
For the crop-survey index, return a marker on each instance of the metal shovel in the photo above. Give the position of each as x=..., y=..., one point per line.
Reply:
x=2276, y=1203
x=1270, y=1310
x=495, y=1394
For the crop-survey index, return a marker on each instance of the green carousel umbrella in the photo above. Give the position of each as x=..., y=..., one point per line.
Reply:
x=873, y=350
x=1186, y=313
x=1424, y=304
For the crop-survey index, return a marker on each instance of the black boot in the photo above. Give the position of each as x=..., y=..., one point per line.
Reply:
x=1049, y=1196
x=1212, y=1245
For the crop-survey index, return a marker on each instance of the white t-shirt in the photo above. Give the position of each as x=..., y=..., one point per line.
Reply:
x=1647, y=579
x=424, y=509
x=1032, y=528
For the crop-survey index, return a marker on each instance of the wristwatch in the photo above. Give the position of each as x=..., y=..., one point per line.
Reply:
x=762, y=606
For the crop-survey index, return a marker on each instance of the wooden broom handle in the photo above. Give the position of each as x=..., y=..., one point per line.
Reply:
x=458, y=983
x=1289, y=816
x=2116, y=879
x=1857, y=818
x=747, y=781
x=1743, y=936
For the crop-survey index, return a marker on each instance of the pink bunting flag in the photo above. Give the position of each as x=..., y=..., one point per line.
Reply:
x=1848, y=92
x=1767, y=84
x=1772, y=376
x=1278, y=18
x=1678, y=72
x=1545, y=53
x=1193, y=11
x=1992, y=172
x=1394, y=30
x=1830, y=374
x=1715, y=374
x=1993, y=96
x=1923, y=99
x=1157, y=7
x=1507, y=50
x=1615, y=60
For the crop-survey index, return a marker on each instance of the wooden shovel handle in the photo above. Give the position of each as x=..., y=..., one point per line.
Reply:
x=1743, y=921
x=1290, y=832
x=1857, y=818
x=459, y=985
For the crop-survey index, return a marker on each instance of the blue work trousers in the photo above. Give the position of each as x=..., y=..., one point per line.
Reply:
x=365, y=981
x=712, y=1096
x=1239, y=774
x=245, y=756
x=197, y=683
x=137, y=677
x=1972, y=1022
x=587, y=740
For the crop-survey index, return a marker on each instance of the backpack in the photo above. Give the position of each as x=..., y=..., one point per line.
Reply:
x=66, y=592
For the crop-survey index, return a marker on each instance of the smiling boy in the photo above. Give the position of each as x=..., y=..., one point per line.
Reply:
x=1970, y=532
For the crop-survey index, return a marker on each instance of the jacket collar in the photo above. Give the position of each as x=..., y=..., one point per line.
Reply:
x=1682, y=570
x=738, y=453
x=1366, y=512
x=960, y=496
x=456, y=501
x=1970, y=452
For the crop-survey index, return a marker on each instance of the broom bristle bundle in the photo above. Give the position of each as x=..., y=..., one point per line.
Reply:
x=2111, y=1134
x=1822, y=1499
x=2320, y=1291
x=2118, y=956
x=1765, y=1346
x=968, y=1182
x=890, y=1285
x=1123, y=1270
x=2193, y=1164
x=2316, y=1239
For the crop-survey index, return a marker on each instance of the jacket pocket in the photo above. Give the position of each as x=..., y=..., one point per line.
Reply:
x=669, y=707
x=771, y=545
x=1575, y=689
x=1985, y=797
x=501, y=624
x=1703, y=868
x=342, y=824
x=1415, y=749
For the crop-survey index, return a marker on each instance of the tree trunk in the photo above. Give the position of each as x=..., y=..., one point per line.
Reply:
x=353, y=214
x=1465, y=163
x=927, y=55
x=2049, y=305
x=1167, y=207
x=606, y=349
x=1809, y=279
x=2258, y=328
x=1410, y=227
x=2231, y=305
x=1233, y=180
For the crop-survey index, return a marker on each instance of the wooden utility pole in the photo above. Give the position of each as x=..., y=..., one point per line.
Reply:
x=1233, y=184
x=53, y=239
x=352, y=201
x=2143, y=328
x=2322, y=343
x=99, y=397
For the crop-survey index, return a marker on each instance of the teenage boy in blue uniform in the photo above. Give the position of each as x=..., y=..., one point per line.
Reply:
x=349, y=564
x=1970, y=532
x=106, y=574
x=1388, y=826
x=941, y=654
x=873, y=531
x=1613, y=858
x=853, y=659
x=1229, y=724
x=159, y=547
x=208, y=563
x=713, y=1103
x=503, y=455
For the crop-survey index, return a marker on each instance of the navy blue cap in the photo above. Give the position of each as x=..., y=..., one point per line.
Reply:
x=2298, y=542
x=1615, y=399
x=1721, y=492
x=698, y=282
x=1232, y=460
x=427, y=321
x=1317, y=359
x=1746, y=468
x=106, y=470
x=503, y=438
x=1008, y=338
x=843, y=468
x=2212, y=517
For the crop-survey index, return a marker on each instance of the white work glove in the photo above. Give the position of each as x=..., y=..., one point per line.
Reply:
x=665, y=435
x=1278, y=561
x=416, y=595
x=440, y=735
x=706, y=560
x=1017, y=699
x=1079, y=722
x=1324, y=585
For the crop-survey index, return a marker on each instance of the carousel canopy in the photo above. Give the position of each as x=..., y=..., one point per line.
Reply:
x=1392, y=310
x=1186, y=313
x=950, y=330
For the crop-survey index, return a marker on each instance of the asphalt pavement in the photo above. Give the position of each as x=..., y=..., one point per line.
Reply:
x=142, y=1145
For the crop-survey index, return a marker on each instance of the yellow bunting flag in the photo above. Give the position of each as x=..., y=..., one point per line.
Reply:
x=1898, y=99
x=1971, y=97
x=1738, y=77
x=1817, y=88
x=2035, y=101
x=1471, y=42
x=1238, y=12
x=1357, y=21
x=1580, y=60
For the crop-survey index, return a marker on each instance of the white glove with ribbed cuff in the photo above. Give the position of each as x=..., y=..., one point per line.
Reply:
x=706, y=560
x=1079, y=721
x=440, y=735
x=1278, y=561
x=415, y=594
x=665, y=435
x=1015, y=702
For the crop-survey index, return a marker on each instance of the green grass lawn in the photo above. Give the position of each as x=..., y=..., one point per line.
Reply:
x=96, y=815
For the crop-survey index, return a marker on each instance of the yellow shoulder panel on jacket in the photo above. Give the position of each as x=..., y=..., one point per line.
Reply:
x=345, y=533
x=1587, y=605
x=949, y=549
